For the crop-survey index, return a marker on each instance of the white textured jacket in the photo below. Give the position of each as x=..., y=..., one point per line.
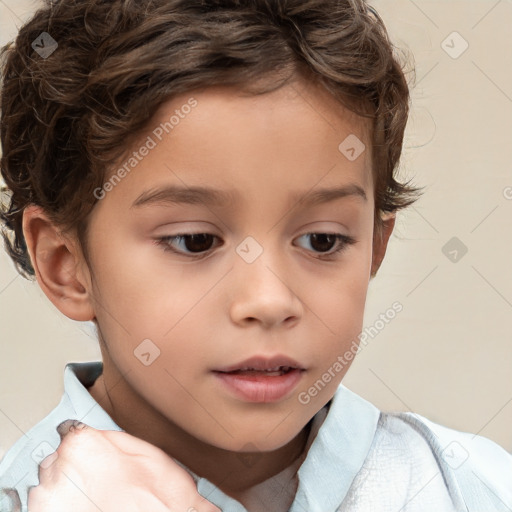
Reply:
x=359, y=459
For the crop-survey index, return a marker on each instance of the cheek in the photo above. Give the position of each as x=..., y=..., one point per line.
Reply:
x=128, y=277
x=340, y=304
x=343, y=295
x=126, y=295
x=139, y=299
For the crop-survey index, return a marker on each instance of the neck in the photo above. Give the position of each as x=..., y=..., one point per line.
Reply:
x=232, y=472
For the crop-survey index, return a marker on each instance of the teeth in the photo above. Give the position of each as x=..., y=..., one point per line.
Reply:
x=276, y=369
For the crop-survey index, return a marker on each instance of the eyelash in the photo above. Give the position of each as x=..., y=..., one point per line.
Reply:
x=344, y=241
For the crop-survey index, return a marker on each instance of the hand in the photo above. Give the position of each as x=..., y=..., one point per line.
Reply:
x=107, y=470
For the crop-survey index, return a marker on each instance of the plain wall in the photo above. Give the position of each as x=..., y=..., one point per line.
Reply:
x=448, y=354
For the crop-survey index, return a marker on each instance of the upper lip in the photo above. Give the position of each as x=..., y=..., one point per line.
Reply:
x=262, y=363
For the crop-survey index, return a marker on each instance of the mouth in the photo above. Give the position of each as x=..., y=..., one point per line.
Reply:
x=261, y=365
x=269, y=372
x=261, y=379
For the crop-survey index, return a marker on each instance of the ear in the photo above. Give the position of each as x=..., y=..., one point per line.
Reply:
x=57, y=264
x=380, y=242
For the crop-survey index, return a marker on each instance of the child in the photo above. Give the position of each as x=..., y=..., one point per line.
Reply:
x=133, y=132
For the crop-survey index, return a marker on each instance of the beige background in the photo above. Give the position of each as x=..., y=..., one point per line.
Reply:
x=448, y=354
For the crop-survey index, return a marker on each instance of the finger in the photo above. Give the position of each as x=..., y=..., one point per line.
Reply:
x=203, y=506
x=68, y=426
x=173, y=485
x=35, y=500
x=46, y=469
x=156, y=460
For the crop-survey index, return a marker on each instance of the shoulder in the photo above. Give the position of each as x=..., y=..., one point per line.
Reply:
x=19, y=468
x=476, y=468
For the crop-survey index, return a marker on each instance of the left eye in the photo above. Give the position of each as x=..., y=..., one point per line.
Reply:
x=197, y=243
x=323, y=242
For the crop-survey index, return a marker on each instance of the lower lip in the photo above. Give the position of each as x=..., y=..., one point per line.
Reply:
x=260, y=388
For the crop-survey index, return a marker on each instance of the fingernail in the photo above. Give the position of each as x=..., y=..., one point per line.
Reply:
x=69, y=426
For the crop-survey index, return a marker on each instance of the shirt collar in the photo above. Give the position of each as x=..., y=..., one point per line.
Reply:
x=337, y=453
x=335, y=456
x=78, y=377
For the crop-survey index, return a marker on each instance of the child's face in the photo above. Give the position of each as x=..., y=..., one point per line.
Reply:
x=220, y=308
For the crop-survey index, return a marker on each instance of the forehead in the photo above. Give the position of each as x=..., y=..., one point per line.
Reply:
x=298, y=90
x=233, y=140
x=301, y=101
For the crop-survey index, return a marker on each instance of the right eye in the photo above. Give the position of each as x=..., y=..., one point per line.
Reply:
x=196, y=243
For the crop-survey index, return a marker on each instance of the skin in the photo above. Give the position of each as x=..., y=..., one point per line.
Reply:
x=218, y=310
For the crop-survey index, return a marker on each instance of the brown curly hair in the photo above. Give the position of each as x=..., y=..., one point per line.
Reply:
x=67, y=117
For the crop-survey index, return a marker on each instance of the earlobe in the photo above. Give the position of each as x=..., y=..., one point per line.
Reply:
x=56, y=264
x=380, y=242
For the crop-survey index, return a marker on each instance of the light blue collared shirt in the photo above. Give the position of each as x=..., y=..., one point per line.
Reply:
x=359, y=460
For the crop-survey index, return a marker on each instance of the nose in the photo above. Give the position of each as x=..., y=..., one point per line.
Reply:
x=262, y=292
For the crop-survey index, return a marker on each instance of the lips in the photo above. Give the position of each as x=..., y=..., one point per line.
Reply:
x=261, y=379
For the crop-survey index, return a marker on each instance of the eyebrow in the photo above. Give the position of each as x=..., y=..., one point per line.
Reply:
x=174, y=194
